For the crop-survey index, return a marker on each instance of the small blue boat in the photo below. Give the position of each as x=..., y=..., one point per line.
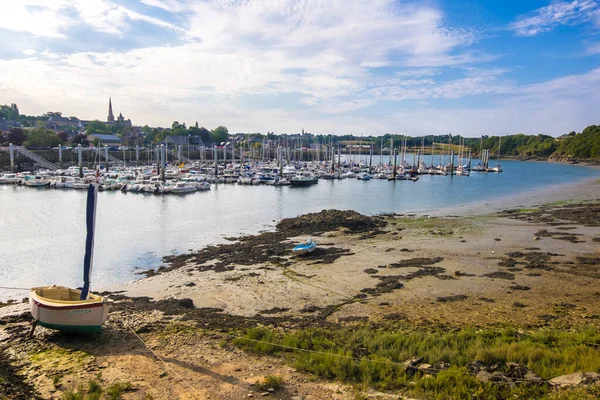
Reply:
x=305, y=248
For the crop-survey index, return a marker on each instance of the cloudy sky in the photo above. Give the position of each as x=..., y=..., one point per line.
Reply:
x=467, y=67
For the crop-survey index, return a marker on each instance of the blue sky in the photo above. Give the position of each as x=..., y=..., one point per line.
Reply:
x=328, y=66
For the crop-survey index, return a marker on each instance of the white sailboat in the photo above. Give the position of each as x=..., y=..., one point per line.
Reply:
x=66, y=309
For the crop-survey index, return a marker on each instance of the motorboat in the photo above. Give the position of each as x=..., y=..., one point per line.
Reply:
x=34, y=181
x=304, y=179
x=363, y=176
x=9, y=179
x=183, y=188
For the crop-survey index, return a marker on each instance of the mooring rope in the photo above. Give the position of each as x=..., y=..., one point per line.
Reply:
x=14, y=288
x=181, y=378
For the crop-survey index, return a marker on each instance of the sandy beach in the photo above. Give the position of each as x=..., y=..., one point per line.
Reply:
x=527, y=261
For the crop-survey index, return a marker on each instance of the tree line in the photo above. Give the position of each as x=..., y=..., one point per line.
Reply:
x=585, y=144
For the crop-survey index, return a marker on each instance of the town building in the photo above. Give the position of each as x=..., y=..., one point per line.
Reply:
x=105, y=139
x=120, y=121
x=5, y=125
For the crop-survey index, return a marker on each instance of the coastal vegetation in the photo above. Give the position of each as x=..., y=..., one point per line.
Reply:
x=376, y=357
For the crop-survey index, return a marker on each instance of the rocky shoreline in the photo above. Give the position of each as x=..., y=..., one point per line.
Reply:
x=526, y=270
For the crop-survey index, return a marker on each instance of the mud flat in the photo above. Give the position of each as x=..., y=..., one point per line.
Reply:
x=511, y=275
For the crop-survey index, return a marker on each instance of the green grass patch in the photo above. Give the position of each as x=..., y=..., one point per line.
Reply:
x=117, y=389
x=371, y=357
x=95, y=391
x=528, y=210
x=270, y=382
x=455, y=225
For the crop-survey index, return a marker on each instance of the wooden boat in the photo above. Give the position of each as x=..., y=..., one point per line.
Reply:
x=59, y=307
x=66, y=309
x=305, y=248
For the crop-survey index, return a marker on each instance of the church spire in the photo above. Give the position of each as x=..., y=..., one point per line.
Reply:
x=111, y=117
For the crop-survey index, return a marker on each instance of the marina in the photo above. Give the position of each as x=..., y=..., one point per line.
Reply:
x=144, y=228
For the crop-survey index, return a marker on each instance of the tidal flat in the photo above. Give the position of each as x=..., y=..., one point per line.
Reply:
x=488, y=306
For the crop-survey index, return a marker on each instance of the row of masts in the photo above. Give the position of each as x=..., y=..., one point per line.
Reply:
x=283, y=155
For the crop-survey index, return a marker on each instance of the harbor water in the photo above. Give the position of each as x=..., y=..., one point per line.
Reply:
x=42, y=231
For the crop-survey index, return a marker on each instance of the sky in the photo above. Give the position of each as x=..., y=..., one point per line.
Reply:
x=366, y=67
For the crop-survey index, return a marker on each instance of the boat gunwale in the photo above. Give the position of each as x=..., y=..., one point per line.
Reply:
x=40, y=300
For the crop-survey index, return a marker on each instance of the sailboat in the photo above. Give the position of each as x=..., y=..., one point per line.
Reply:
x=66, y=309
x=497, y=167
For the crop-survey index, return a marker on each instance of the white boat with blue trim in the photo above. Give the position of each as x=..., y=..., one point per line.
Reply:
x=305, y=248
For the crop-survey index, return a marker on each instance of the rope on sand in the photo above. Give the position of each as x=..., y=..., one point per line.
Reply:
x=181, y=378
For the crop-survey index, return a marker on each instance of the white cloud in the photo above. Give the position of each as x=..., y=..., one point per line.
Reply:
x=592, y=49
x=559, y=13
x=477, y=81
x=173, y=6
x=53, y=18
x=245, y=48
x=37, y=20
x=323, y=54
x=418, y=72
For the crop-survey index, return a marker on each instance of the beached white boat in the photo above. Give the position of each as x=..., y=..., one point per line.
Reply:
x=66, y=309
x=59, y=307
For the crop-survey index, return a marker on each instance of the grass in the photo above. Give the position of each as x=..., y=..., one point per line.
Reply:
x=270, y=382
x=528, y=210
x=95, y=390
x=447, y=225
x=117, y=389
x=370, y=357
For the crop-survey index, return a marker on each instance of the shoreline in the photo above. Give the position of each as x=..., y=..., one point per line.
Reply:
x=527, y=271
x=582, y=190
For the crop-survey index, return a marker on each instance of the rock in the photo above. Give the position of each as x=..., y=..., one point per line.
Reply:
x=410, y=366
x=103, y=365
x=575, y=379
x=270, y=390
x=516, y=371
x=265, y=393
x=162, y=374
x=532, y=377
x=424, y=367
x=250, y=395
x=441, y=365
x=413, y=362
x=475, y=366
x=186, y=303
x=189, y=284
x=483, y=376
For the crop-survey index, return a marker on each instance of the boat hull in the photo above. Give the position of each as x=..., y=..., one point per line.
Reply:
x=302, y=183
x=304, y=248
x=67, y=315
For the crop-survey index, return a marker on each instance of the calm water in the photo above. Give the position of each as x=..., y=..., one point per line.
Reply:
x=42, y=232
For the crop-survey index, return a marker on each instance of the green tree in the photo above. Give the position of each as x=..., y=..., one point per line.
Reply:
x=220, y=134
x=16, y=136
x=42, y=138
x=80, y=139
x=10, y=113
